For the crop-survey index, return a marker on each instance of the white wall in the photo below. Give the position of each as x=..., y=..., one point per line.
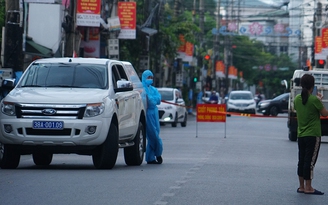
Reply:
x=44, y=24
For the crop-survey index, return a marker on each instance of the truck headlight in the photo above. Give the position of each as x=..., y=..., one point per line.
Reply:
x=93, y=110
x=8, y=108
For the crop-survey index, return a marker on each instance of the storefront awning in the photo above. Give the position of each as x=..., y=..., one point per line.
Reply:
x=36, y=49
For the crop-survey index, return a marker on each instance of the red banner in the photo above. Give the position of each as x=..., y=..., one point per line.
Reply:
x=186, y=47
x=219, y=67
x=127, y=13
x=88, y=13
x=88, y=6
x=318, y=44
x=189, y=49
x=182, y=47
x=324, y=36
x=241, y=74
x=211, y=113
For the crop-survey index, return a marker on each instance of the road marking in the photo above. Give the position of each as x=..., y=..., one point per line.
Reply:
x=188, y=175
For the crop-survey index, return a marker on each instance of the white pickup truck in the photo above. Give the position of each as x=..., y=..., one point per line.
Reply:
x=321, y=82
x=85, y=106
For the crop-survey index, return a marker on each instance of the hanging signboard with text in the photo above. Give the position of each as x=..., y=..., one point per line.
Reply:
x=127, y=14
x=211, y=113
x=324, y=44
x=88, y=13
x=186, y=49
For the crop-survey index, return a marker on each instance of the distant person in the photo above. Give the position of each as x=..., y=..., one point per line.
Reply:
x=154, y=147
x=213, y=98
x=259, y=98
x=199, y=97
x=308, y=107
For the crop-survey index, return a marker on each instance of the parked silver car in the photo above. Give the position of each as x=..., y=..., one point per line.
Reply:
x=241, y=101
x=172, y=109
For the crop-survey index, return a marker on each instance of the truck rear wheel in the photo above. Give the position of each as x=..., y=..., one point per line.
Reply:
x=10, y=157
x=292, y=136
x=134, y=155
x=105, y=155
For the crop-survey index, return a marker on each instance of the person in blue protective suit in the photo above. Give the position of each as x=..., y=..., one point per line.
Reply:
x=154, y=147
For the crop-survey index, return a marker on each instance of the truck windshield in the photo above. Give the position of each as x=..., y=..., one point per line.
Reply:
x=68, y=75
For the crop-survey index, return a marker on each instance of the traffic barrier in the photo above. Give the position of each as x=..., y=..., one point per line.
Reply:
x=228, y=113
x=218, y=113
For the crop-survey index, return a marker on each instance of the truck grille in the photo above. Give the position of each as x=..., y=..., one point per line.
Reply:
x=48, y=111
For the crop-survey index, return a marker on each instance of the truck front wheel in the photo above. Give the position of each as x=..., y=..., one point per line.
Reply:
x=9, y=158
x=105, y=155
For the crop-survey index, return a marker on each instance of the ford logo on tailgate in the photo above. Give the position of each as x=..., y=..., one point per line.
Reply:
x=49, y=111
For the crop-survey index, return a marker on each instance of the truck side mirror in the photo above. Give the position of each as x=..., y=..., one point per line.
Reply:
x=8, y=84
x=123, y=85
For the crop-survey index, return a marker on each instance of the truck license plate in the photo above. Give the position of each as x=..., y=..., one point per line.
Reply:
x=57, y=125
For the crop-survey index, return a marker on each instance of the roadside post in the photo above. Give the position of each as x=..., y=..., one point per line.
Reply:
x=211, y=113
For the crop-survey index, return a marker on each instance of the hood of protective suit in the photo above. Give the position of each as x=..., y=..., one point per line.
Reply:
x=146, y=82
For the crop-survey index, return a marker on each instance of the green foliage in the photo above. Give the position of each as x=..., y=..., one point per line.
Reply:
x=249, y=55
x=209, y=5
x=169, y=30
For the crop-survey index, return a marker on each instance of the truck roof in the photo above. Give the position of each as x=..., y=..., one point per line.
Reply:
x=299, y=73
x=76, y=60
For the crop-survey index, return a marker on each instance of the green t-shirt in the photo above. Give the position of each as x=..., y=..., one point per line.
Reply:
x=308, y=116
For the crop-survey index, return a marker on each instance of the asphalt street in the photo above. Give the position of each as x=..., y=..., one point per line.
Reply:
x=243, y=161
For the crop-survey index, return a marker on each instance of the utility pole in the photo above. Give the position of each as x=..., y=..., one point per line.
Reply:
x=72, y=37
x=13, y=49
x=194, y=12
x=177, y=73
x=216, y=44
x=201, y=20
x=208, y=83
x=158, y=57
x=318, y=18
x=226, y=52
x=177, y=7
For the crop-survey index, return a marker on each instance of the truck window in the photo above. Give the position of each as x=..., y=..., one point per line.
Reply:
x=122, y=72
x=66, y=75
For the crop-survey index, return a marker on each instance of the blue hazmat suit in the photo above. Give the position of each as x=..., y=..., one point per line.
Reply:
x=154, y=142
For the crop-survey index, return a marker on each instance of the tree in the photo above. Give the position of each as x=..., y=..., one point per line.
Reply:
x=168, y=33
x=249, y=57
